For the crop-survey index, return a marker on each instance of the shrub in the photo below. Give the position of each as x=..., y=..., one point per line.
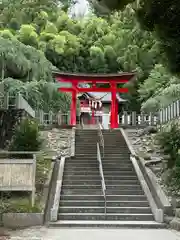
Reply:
x=169, y=140
x=26, y=137
x=18, y=202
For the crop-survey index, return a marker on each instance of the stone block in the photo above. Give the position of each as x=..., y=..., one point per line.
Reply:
x=175, y=224
x=20, y=220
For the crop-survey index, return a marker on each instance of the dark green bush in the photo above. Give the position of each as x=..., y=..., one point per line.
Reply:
x=169, y=140
x=18, y=202
x=26, y=137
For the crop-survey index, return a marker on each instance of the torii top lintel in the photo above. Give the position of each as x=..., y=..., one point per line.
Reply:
x=90, y=78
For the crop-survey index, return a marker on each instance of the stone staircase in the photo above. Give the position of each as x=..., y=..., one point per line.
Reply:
x=82, y=202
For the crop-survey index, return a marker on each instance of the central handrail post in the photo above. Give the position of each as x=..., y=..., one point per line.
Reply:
x=101, y=138
x=103, y=185
x=105, y=204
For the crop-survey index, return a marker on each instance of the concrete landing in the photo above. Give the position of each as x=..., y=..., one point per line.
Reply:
x=108, y=224
x=93, y=234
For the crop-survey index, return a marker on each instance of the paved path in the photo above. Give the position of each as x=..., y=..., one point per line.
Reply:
x=93, y=234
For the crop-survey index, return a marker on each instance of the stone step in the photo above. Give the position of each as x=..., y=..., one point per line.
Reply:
x=123, y=171
x=108, y=224
x=98, y=181
x=92, y=203
x=115, y=155
x=95, y=172
x=81, y=147
x=116, y=152
x=84, y=142
x=80, y=139
x=124, y=176
x=82, y=209
x=92, y=168
x=119, y=159
x=117, y=163
x=75, y=170
x=107, y=217
x=83, y=164
x=68, y=191
x=93, y=146
x=114, y=145
x=87, y=161
x=87, y=152
x=95, y=161
x=111, y=142
x=83, y=173
x=82, y=182
x=108, y=187
x=87, y=132
x=107, y=140
x=96, y=178
x=79, y=187
x=99, y=197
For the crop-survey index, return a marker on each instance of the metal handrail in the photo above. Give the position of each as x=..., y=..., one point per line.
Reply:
x=101, y=138
x=103, y=185
x=82, y=123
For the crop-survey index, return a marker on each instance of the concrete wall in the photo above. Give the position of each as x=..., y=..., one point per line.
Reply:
x=19, y=220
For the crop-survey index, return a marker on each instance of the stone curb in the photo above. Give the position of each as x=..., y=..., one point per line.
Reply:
x=21, y=220
x=152, y=182
x=47, y=188
x=55, y=207
x=157, y=212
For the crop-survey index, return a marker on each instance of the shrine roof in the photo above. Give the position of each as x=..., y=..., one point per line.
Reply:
x=91, y=77
x=104, y=96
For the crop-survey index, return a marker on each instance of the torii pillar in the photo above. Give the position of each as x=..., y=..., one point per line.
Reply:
x=73, y=104
x=114, y=107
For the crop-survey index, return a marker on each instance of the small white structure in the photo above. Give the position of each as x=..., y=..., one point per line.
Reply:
x=79, y=9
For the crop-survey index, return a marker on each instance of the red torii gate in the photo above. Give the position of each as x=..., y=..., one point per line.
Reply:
x=112, y=79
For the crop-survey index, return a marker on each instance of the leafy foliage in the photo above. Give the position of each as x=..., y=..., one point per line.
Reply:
x=23, y=62
x=160, y=89
x=169, y=140
x=163, y=18
x=26, y=137
x=98, y=45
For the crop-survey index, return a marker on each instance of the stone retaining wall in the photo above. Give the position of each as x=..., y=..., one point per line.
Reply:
x=20, y=220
